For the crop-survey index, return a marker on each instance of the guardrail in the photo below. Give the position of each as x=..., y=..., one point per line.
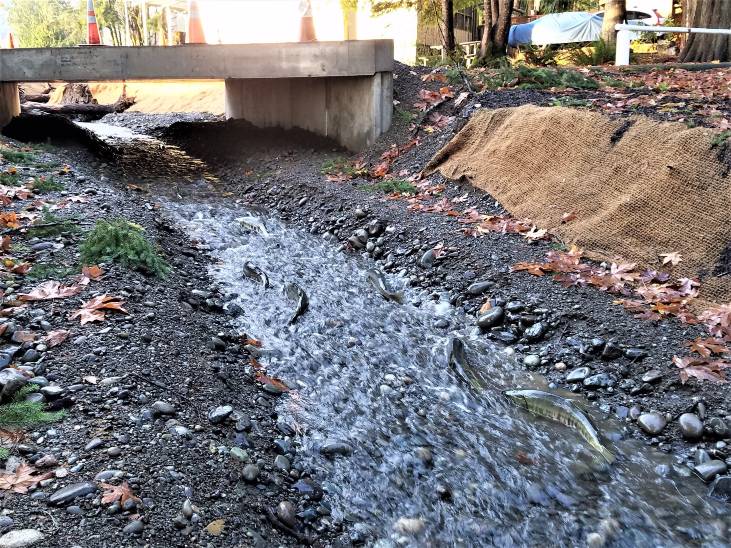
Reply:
x=624, y=36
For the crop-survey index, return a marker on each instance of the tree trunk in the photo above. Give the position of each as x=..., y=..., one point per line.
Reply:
x=708, y=47
x=615, y=12
x=448, y=24
x=79, y=108
x=497, y=26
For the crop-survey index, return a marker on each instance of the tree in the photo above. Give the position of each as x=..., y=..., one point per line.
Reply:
x=110, y=14
x=615, y=12
x=51, y=23
x=497, y=25
x=707, y=47
x=448, y=26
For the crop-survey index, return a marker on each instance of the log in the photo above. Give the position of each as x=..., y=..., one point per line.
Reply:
x=78, y=108
x=36, y=97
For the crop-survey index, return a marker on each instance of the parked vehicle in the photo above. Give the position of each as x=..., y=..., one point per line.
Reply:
x=572, y=27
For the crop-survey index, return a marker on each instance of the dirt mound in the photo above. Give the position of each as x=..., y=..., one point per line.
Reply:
x=638, y=188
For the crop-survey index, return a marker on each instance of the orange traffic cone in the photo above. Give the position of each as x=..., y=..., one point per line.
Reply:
x=307, y=24
x=92, y=27
x=195, y=27
x=11, y=41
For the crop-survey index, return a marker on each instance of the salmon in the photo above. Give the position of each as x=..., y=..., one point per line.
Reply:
x=376, y=279
x=296, y=293
x=556, y=408
x=254, y=272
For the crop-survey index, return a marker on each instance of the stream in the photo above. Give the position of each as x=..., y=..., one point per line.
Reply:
x=406, y=450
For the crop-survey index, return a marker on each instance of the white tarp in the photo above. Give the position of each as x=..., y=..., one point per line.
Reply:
x=558, y=28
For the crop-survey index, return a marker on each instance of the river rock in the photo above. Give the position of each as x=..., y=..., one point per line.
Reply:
x=652, y=376
x=134, y=528
x=652, y=423
x=427, y=259
x=71, y=492
x=535, y=331
x=718, y=426
x=220, y=414
x=690, y=426
x=11, y=380
x=21, y=538
x=409, y=526
x=721, y=489
x=600, y=380
x=478, y=288
x=490, y=318
x=611, y=351
x=163, y=408
x=250, y=473
x=532, y=360
x=578, y=374
x=333, y=448
x=287, y=513
x=709, y=470
x=282, y=463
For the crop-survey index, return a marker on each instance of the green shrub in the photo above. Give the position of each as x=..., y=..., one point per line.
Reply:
x=389, y=186
x=522, y=76
x=599, y=54
x=19, y=414
x=9, y=178
x=59, y=225
x=123, y=242
x=541, y=56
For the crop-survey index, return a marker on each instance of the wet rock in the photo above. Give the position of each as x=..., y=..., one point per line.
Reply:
x=651, y=376
x=21, y=538
x=409, y=526
x=5, y=522
x=163, y=408
x=250, y=473
x=7, y=353
x=287, y=513
x=220, y=414
x=282, y=463
x=11, y=380
x=652, y=423
x=532, y=360
x=507, y=337
x=721, y=489
x=536, y=331
x=709, y=470
x=611, y=351
x=690, y=426
x=375, y=228
x=515, y=306
x=478, y=288
x=635, y=354
x=701, y=456
x=490, y=318
x=635, y=412
x=332, y=448
x=310, y=488
x=240, y=454
x=93, y=444
x=187, y=509
x=427, y=259
x=578, y=374
x=717, y=426
x=51, y=392
x=134, y=528
x=71, y=492
x=601, y=380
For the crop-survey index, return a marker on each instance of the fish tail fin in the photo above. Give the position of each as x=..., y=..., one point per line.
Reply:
x=398, y=296
x=608, y=456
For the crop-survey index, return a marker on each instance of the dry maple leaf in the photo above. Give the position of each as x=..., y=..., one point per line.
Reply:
x=93, y=272
x=93, y=309
x=114, y=493
x=673, y=258
x=22, y=479
x=701, y=369
x=533, y=268
x=9, y=219
x=706, y=347
x=276, y=383
x=56, y=337
x=50, y=290
x=535, y=233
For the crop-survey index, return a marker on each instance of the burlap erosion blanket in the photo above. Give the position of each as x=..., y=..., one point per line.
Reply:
x=638, y=187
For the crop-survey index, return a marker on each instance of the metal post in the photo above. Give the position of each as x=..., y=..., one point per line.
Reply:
x=623, y=48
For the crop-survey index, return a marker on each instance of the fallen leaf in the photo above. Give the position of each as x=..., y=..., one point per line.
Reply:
x=5, y=245
x=56, y=337
x=706, y=347
x=673, y=258
x=93, y=272
x=114, y=493
x=22, y=479
x=535, y=233
x=93, y=309
x=487, y=305
x=9, y=219
x=50, y=290
x=216, y=527
x=276, y=383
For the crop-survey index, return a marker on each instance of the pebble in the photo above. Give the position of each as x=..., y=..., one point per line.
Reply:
x=282, y=463
x=21, y=538
x=134, y=528
x=478, y=288
x=427, y=259
x=721, y=489
x=611, y=351
x=490, y=318
x=601, y=380
x=409, y=526
x=71, y=492
x=187, y=509
x=535, y=331
x=690, y=426
x=220, y=414
x=652, y=423
x=651, y=376
x=532, y=360
x=709, y=470
x=336, y=448
x=163, y=408
x=250, y=473
x=578, y=374
x=93, y=444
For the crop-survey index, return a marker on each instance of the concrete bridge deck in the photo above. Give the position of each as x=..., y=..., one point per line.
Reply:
x=342, y=90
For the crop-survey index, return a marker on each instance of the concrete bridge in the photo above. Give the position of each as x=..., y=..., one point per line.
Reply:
x=342, y=90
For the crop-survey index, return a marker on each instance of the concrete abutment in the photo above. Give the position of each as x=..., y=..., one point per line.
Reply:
x=9, y=102
x=354, y=111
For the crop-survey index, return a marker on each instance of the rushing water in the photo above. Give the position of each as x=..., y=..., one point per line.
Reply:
x=434, y=461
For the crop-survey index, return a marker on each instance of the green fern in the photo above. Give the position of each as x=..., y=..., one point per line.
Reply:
x=123, y=242
x=19, y=414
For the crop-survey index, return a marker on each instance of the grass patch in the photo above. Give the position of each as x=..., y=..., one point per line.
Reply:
x=404, y=115
x=342, y=166
x=569, y=102
x=45, y=271
x=122, y=242
x=720, y=138
x=16, y=156
x=19, y=414
x=526, y=77
x=389, y=186
x=59, y=225
x=46, y=184
x=9, y=178
x=598, y=54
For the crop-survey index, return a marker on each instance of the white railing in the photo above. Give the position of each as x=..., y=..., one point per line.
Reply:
x=624, y=37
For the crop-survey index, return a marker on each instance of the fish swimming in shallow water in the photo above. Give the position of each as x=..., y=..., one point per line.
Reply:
x=255, y=273
x=458, y=362
x=556, y=408
x=376, y=279
x=296, y=293
x=255, y=224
